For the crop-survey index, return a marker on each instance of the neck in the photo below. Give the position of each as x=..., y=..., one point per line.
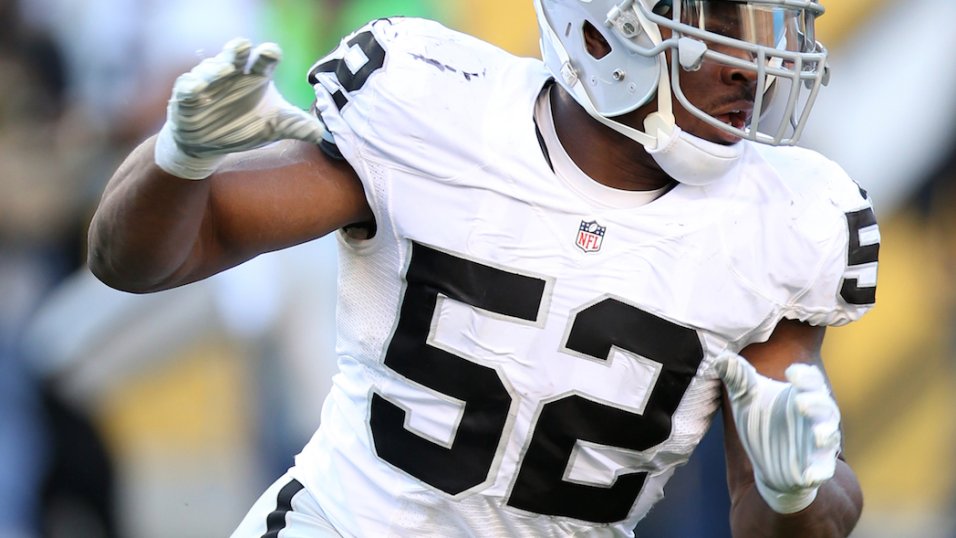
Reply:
x=606, y=156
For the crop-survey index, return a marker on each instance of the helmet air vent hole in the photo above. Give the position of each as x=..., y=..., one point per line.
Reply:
x=597, y=46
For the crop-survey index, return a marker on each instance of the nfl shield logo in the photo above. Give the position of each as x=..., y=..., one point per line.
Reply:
x=590, y=236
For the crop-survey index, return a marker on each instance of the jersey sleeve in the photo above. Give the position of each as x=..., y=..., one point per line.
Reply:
x=374, y=106
x=845, y=285
x=339, y=77
x=407, y=96
x=393, y=91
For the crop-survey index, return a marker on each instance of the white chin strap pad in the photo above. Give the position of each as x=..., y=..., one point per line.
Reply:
x=692, y=160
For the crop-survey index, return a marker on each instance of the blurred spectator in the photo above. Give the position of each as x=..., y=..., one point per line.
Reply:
x=122, y=55
x=31, y=90
x=934, y=201
x=40, y=225
x=81, y=82
x=120, y=59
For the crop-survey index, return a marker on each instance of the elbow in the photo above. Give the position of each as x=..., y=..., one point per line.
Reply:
x=98, y=264
x=107, y=267
x=97, y=259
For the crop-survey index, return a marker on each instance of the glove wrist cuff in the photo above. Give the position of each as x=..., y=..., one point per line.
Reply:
x=173, y=160
x=789, y=502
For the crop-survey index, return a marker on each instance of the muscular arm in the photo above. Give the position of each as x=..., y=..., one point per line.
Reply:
x=839, y=501
x=154, y=231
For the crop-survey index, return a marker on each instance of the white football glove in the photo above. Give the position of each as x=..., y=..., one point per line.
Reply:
x=226, y=104
x=791, y=431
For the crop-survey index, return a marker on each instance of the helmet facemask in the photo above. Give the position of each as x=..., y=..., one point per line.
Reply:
x=772, y=40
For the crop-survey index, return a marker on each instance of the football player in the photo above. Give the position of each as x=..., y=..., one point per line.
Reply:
x=552, y=274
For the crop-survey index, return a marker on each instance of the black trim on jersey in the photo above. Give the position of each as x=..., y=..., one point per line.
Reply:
x=339, y=99
x=331, y=150
x=327, y=147
x=537, y=130
x=275, y=521
x=544, y=148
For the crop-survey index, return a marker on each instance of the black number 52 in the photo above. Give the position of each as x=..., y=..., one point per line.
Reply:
x=540, y=485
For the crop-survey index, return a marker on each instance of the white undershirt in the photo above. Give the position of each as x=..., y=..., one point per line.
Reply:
x=569, y=173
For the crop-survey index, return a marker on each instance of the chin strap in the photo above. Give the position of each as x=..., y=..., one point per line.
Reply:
x=684, y=157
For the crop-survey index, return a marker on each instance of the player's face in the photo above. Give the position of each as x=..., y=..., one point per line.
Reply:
x=724, y=92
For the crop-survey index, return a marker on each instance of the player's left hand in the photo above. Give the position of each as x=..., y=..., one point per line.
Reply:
x=791, y=431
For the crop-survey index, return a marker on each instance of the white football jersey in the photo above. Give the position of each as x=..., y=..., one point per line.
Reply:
x=521, y=355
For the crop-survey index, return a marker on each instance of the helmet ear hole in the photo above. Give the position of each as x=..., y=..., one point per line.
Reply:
x=597, y=46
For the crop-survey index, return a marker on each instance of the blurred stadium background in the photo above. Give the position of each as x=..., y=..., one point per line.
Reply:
x=166, y=415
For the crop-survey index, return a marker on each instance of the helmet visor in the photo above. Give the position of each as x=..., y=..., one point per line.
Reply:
x=773, y=25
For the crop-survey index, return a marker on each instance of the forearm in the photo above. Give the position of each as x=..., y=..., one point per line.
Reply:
x=257, y=180
x=833, y=514
x=147, y=225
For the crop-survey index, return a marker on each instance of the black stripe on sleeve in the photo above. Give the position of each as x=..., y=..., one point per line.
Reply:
x=275, y=521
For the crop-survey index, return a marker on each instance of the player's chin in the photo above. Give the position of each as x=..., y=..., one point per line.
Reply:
x=724, y=138
x=716, y=135
x=728, y=139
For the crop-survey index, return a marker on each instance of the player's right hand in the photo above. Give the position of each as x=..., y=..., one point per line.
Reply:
x=226, y=104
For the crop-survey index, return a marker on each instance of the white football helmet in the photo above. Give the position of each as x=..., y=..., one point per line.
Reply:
x=772, y=38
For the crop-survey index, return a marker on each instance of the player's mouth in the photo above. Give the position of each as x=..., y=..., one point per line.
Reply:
x=736, y=115
x=734, y=118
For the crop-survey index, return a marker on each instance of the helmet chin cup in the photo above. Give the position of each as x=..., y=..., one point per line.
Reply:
x=689, y=159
